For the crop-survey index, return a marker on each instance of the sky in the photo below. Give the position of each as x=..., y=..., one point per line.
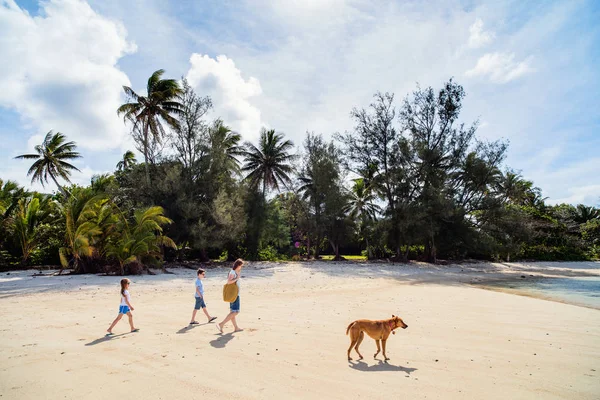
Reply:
x=530, y=69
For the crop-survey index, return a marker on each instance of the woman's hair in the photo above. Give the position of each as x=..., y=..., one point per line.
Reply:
x=237, y=263
x=200, y=271
x=124, y=282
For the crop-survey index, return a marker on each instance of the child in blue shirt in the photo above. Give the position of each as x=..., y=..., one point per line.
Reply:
x=200, y=304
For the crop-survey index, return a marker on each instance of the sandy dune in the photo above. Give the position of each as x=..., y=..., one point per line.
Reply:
x=462, y=342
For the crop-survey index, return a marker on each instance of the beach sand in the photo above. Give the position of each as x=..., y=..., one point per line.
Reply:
x=462, y=342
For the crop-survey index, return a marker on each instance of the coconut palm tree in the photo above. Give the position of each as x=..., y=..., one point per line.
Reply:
x=141, y=238
x=127, y=161
x=147, y=113
x=361, y=205
x=269, y=163
x=583, y=213
x=31, y=212
x=51, y=160
x=79, y=230
x=225, y=147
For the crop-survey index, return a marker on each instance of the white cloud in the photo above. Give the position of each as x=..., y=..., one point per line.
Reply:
x=500, y=67
x=589, y=195
x=59, y=71
x=231, y=93
x=478, y=37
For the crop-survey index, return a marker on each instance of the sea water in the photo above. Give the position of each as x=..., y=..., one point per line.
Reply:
x=579, y=290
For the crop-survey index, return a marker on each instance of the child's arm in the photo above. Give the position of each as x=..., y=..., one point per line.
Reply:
x=198, y=291
x=128, y=303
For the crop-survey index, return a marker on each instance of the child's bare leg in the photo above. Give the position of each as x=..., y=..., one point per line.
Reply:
x=194, y=315
x=130, y=315
x=206, y=313
x=109, y=330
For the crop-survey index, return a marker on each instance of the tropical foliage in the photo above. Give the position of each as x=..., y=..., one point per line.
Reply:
x=410, y=181
x=52, y=158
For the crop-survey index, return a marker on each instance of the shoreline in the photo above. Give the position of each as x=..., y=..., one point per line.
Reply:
x=488, y=276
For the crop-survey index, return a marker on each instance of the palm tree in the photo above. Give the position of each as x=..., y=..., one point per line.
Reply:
x=269, y=163
x=30, y=214
x=583, y=214
x=10, y=194
x=51, y=160
x=224, y=146
x=142, y=238
x=79, y=230
x=361, y=205
x=146, y=112
x=127, y=161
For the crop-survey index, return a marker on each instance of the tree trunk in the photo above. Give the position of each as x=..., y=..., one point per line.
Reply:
x=430, y=250
x=146, y=154
x=369, y=253
x=308, y=248
x=62, y=190
x=406, y=253
x=336, y=251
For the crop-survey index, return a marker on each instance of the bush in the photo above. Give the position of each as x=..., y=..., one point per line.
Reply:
x=270, y=253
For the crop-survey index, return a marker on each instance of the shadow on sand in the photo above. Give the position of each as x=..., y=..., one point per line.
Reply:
x=221, y=341
x=380, y=366
x=107, y=338
x=188, y=328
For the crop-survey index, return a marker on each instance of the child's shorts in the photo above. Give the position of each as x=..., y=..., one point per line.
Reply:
x=200, y=303
x=235, y=306
x=123, y=309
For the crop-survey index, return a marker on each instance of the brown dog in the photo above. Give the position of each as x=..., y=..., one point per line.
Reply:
x=378, y=330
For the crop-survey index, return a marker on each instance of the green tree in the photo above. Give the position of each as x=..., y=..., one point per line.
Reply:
x=140, y=240
x=127, y=161
x=80, y=229
x=362, y=206
x=320, y=185
x=31, y=212
x=146, y=113
x=52, y=160
x=189, y=138
x=269, y=164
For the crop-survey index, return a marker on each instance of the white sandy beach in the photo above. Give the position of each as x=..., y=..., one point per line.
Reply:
x=462, y=342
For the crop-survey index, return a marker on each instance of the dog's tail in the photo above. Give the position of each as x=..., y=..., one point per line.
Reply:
x=349, y=326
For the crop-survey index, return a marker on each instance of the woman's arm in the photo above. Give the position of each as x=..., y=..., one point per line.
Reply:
x=231, y=279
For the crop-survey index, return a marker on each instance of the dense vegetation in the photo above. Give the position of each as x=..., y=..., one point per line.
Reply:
x=410, y=181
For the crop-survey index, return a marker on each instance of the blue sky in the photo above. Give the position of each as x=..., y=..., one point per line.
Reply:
x=530, y=70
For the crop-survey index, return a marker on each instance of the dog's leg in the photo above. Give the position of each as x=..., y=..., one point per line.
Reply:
x=360, y=339
x=378, y=348
x=353, y=340
x=383, y=345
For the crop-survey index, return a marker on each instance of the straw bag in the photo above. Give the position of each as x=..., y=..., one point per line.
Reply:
x=230, y=292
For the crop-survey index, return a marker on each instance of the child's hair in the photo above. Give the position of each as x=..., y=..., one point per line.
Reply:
x=237, y=263
x=124, y=282
x=200, y=271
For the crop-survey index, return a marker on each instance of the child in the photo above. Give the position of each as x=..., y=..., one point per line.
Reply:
x=200, y=304
x=234, y=276
x=124, y=308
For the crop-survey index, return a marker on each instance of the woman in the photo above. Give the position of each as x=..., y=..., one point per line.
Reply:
x=234, y=308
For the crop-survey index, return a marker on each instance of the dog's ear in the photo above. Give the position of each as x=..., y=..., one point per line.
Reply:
x=393, y=316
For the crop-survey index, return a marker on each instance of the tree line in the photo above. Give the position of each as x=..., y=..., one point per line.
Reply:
x=409, y=181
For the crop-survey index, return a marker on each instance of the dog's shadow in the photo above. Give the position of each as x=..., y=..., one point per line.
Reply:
x=222, y=340
x=380, y=366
